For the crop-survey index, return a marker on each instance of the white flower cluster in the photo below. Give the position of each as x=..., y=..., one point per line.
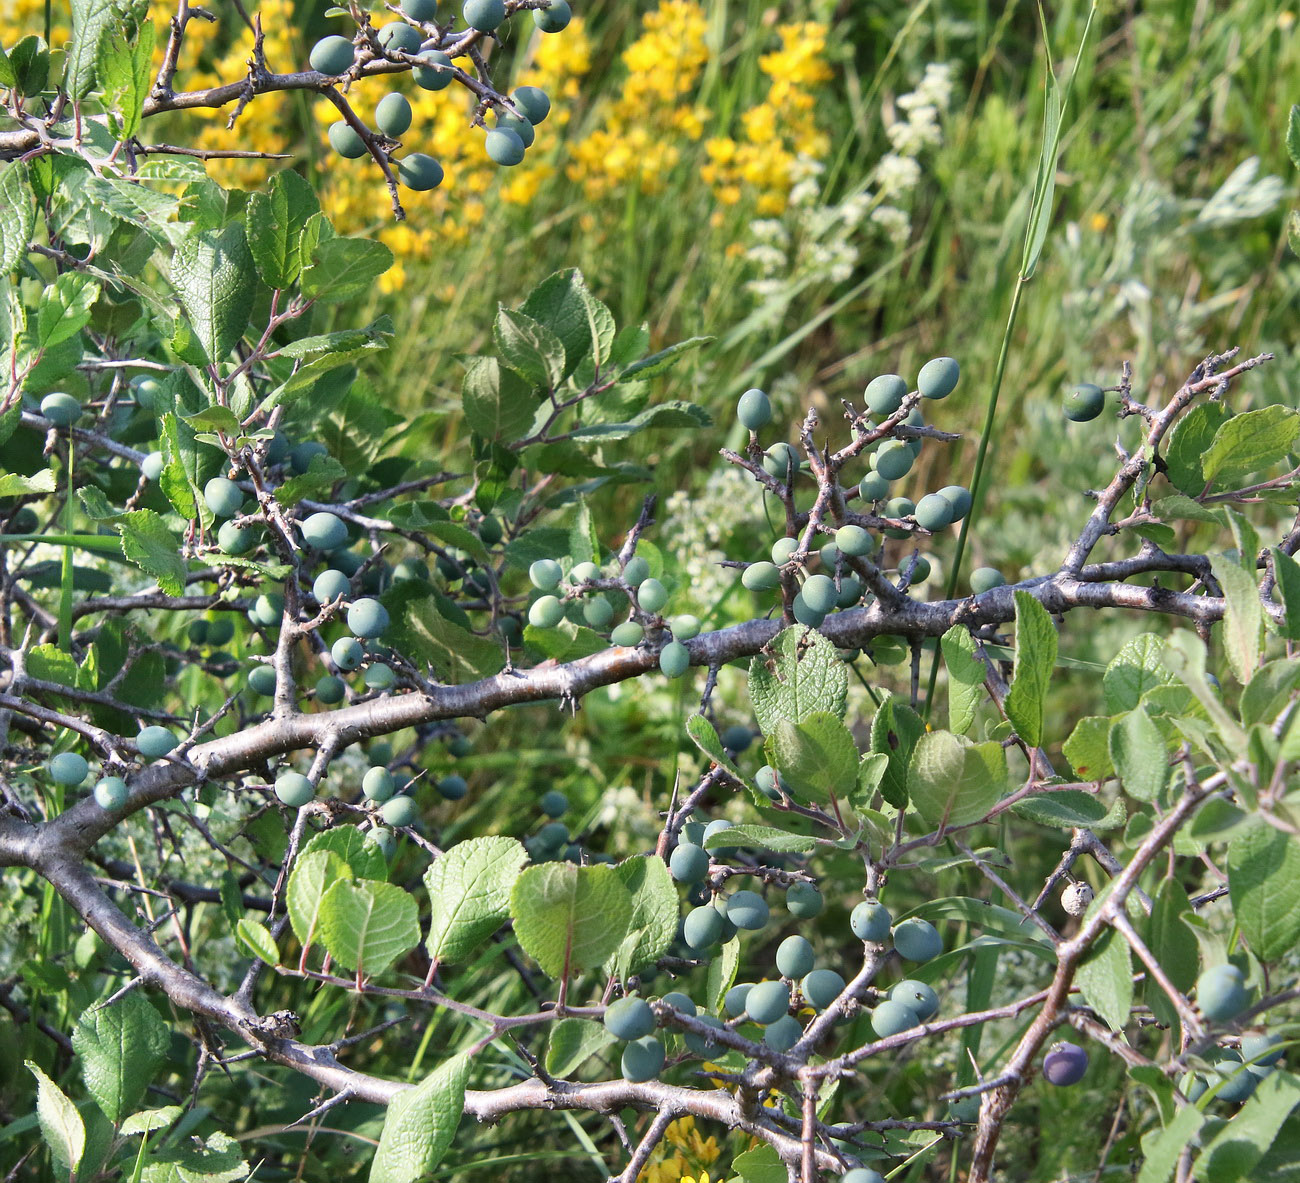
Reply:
x=699, y=525
x=819, y=243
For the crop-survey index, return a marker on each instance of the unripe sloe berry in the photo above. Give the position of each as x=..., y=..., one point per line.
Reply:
x=261, y=680
x=984, y=579
x=393, y=114
x=782, y=549
x=554, y=803
x=545, y=574
x=301, y=455
x=384, y=839
x=1238, y=1083
x=111, y=792
x=533, y=102
x=933, y=512
x=688, y=863
x=821, y=987
x=938, y=377
x=767, y=1002
x=367, y=618
x=598, y=612
x=347, y=654
x=870, y=921
x=294, y=789
x=862, y=1175
x=716, y=827
x=873, y=487
x=421, y=10
x=885, y=394
x=1084, y=402
x=419, y=172
x=734, y=1000
x=964, y=1109
x=378, y=784
x=546, y=612
x=330, y=690
x=830, y=556
x=702, y=926
x=747, y=910
x=771, y=784
x=329, y=585
x=504, y=146
x=484, y=15
x=637, y=571
x=155, y=742
x=782, y=1035
x=150, y=468
x=452, y=787
x=324, y=531
x=781, y=460
x=1258, y=1049
x=332, y=55
x=584, y=573
x=380, y=677
x=684, y=628
x=235, y=540
x=854, y=540
x=651, y=595
x=1064, y=1064
x=627, y=634
x=919, y=996
x=223, y=497
x=959, y=498
x=850, y=592
x=703, y=1045
x=893, y=459
x=68, y=768
x=398, y=35
x=737, y=738
x=917, y=940
x=889, y=1018
x=1221, y=993
x=680, y=1002
x=804, y=614
x=267, y=610
x=819, y=593
x=436, y=72
x=399, y=811
x=674, y=659
x=804, y=901
x=643, y=1059
x=754, y=410
x=794, y=957
x=553, y=19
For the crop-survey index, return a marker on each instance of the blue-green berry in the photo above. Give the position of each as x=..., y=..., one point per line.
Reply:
x=754, y=410
x=761, y=576
x=747, y=910
x=938, y=377
x=533, y=102
x=651, y=595
x=891, y=1018
x=917, y=940
x=767, y=1002
x=419, y=172
x=804, y=901
x=794, y=957
x=688, y=863
x=504, y=146
x=399, y=811
x=821, y=987
x=378, y=784
x=885, y=394
x=294, y=789
x=155, y=742
x=674, y=659
x=111, y=792
x=554, y=18
x=870, y=921
x=332, y=56
x=68, y=768
x=629, y=1018
x=393, y=114
x=435, y=72
x=643, y=1059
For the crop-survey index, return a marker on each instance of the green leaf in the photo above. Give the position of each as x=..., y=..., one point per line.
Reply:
x=1134, y=670
x=966, y=674
x=569, y=918
x=151, y=546
x=420, y=1125
x=762, y=838
x=320, y=376
x=214, y=278
x=654, y=914
x=1173, y=944
x=121, y=1048
x=376, y=333
x=30, y=60
x=1064, y=810
x=573, y=1041
x=1188, y=442
x=14, y=485
x=1234, y=1151
x=322, y=474
x=1138, y=754
x=1293, y=135
x=148, y=1120
x=657, y=363
x=343, y=268
x=1249, y=442
x=722, y=975
x=314, y=873
x=179, y=477
x=256, y=940
x=1162, y=1151
x=817, y=756
x=364, y=859
x=17, y=216
x=125, y=74
x=895, y=728
x=61, y=1125
x=469, y=890
x=670, y=414
x=954, y=782
x=566, y=642
x=216, y=418
x=498, y=404
x=1036, y=644
x=1287, y=572
x=1264, y=886
x=64, y=309
x=274, y=220
x=1177, y=508
x=529, y=348
x=216, y=1160
x=455, y=654
x=366, y=926
x=1106, y=979
x=583, y=325
x=91, y=19
x=1269, y=691
x=7, y=75
x=1243, y=617
x=1040, y=205
x=762, y=1164
x=798, y=674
